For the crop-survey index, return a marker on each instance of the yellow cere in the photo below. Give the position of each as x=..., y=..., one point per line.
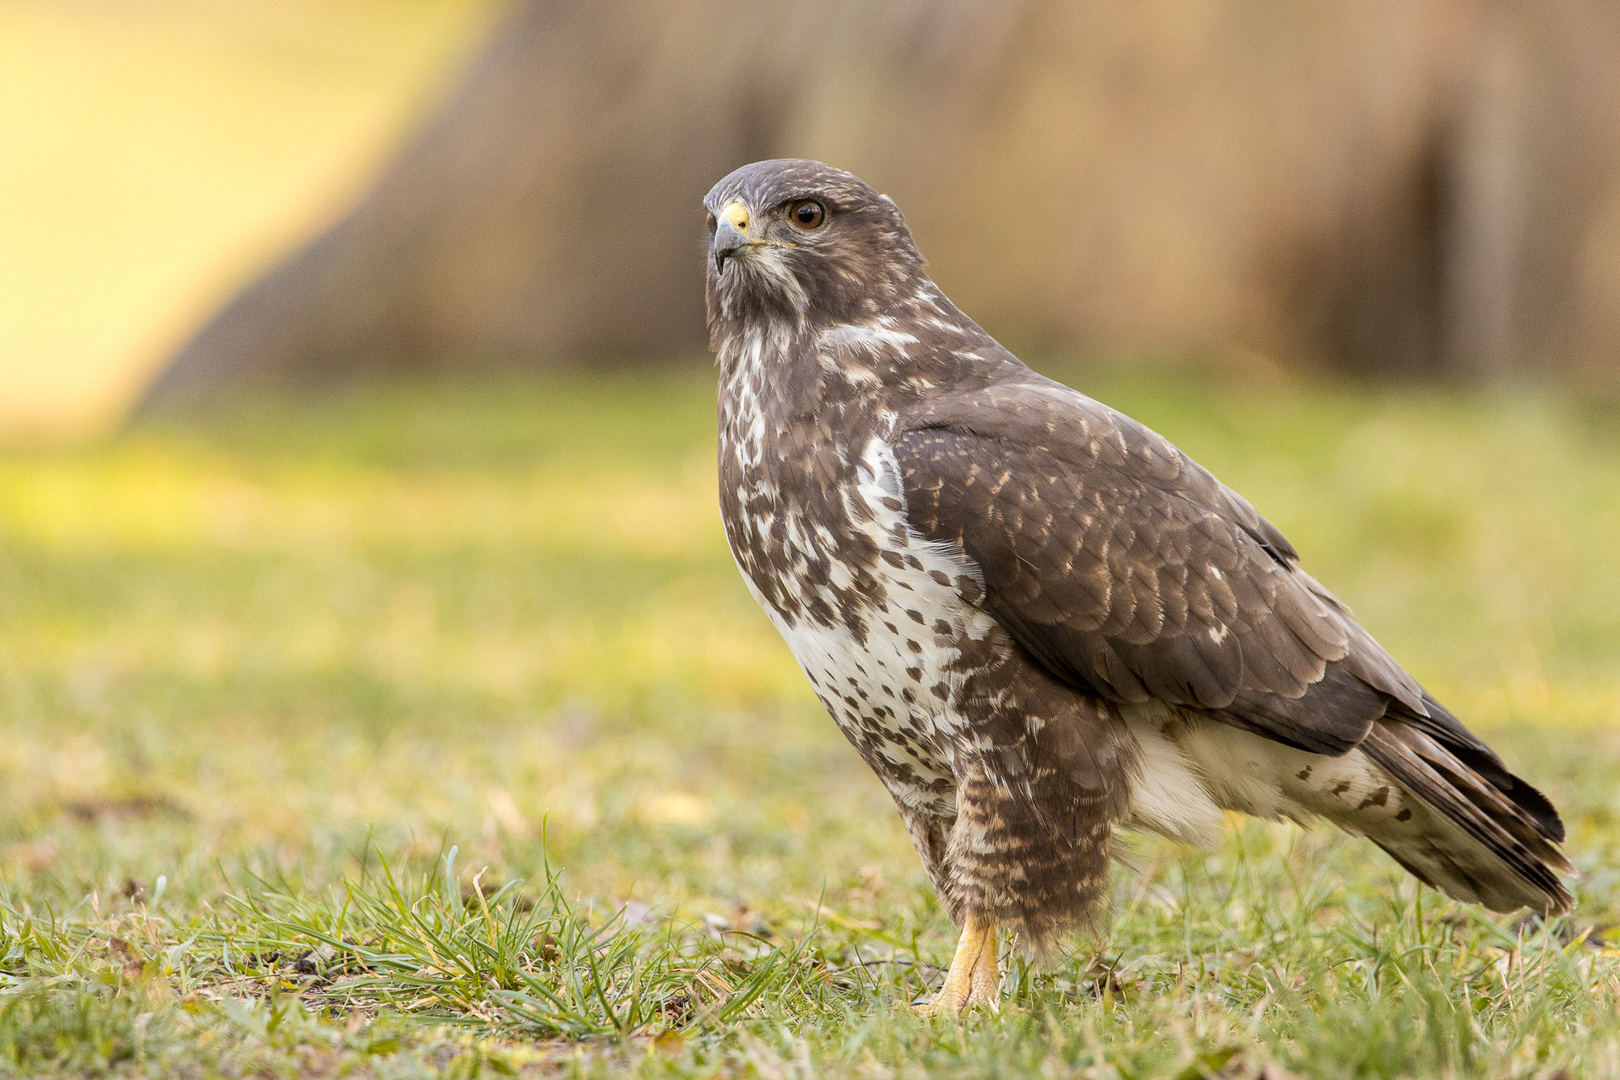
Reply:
x=736, y=213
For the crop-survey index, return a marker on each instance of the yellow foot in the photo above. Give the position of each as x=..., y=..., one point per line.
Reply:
x=975, y=975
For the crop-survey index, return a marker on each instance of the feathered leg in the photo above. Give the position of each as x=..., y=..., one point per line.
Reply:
x=975, y=975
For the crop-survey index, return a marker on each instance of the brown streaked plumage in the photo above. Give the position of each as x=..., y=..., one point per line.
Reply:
x=1036, y=619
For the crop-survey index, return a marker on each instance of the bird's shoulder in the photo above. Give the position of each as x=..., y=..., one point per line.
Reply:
x=1026, y=419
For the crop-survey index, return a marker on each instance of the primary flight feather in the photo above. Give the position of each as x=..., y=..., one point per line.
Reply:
x=1036, y=619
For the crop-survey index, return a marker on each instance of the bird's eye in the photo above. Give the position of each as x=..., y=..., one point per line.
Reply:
x=806, y=214
x=713, y=224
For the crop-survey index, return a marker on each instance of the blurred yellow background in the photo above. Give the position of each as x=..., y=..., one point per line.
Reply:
x=154, y=154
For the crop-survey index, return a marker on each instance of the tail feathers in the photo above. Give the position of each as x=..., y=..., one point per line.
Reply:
x=1440, y=725
x=1476, y=837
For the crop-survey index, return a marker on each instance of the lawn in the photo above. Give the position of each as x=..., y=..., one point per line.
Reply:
x=431, y=731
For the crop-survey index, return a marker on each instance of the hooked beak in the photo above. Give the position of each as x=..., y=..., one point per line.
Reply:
x=730, y=234
x=727, y=241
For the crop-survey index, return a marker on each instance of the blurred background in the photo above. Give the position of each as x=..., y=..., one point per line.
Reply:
x=198, y=195
x=156, y=155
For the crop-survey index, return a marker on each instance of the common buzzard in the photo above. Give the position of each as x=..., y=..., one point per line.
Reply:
x=1036, y=619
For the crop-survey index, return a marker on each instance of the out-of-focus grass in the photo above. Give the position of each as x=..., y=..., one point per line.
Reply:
x=259, y=677
x=155, y=153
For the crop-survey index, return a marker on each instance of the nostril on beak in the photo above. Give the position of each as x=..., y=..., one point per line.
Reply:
x=736, y=213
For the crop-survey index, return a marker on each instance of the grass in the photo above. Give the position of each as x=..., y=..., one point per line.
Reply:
x=431, y=732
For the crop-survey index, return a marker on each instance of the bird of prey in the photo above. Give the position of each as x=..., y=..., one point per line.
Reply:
x=1036, y=619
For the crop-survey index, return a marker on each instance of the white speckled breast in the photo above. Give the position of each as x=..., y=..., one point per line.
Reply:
x=894, y=694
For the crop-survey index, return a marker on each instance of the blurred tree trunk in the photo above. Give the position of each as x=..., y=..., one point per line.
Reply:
x=1376, y=185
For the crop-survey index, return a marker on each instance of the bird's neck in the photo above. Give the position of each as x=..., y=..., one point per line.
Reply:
x=768, y=372
x=902, y=350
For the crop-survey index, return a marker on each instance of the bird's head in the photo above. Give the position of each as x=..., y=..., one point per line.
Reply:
x=804, y=242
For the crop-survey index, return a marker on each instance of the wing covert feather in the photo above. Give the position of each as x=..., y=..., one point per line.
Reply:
x=1124, y=567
